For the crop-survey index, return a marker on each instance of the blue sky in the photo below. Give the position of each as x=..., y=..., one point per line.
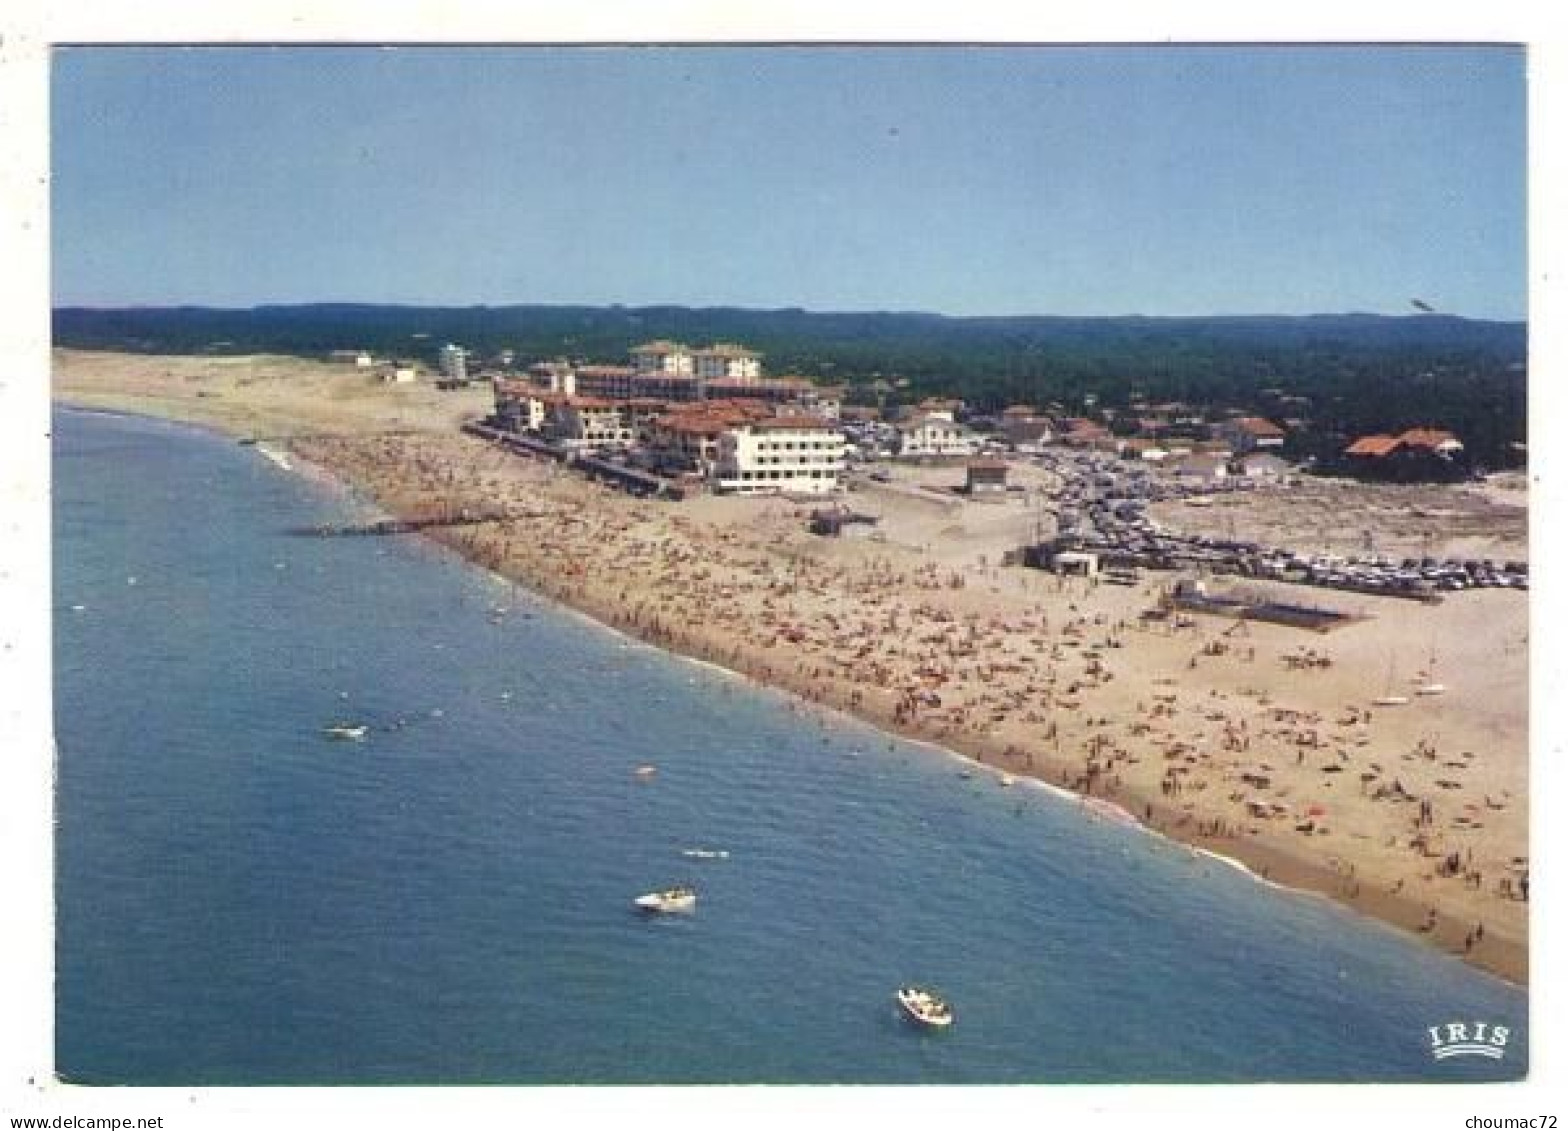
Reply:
x=966, y=180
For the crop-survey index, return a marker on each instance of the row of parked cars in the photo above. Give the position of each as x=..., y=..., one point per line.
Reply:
x=1104, y=509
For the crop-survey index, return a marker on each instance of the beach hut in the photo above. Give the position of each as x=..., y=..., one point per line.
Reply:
x=985, y=476
x=1076, y=563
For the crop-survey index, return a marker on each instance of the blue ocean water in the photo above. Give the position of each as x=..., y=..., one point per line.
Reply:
x=242, y=901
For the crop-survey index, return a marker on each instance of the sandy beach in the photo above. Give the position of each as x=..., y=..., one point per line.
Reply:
x=1256, y=741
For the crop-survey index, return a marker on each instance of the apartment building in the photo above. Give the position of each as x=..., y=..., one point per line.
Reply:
x=780, y=455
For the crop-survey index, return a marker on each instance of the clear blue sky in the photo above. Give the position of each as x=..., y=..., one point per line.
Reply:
x=1045, y=180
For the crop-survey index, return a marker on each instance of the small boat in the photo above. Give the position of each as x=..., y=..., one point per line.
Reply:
x=353, y=731
x=647, y=771
x=924, y=1007
x=1431, y=689
x=668, y=901
x=705, y=853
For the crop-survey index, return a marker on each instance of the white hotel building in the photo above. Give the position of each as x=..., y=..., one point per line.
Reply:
x=722, y=361
x=796, y=455
x=935, y=434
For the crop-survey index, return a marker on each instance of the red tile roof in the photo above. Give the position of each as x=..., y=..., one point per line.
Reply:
x=1427, y=437
x=793, y=423
x=1372, y=446
x=1257, y=426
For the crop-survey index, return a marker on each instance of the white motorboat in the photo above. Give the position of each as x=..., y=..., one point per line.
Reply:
x=669, y=901
x=925, y=1008
x=1431, y=689
x=705, y=853
x=353, y=731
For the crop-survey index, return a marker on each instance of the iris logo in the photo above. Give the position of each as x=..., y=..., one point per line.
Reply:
x=1475, y=1038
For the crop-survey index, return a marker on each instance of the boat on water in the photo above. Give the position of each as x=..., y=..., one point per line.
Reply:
x=924, y=1007
x=706, y=853
x=351, y=731
x=669, y=901
x=1431, y=689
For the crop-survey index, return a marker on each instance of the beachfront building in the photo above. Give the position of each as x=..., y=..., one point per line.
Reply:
x=612, y=382
x=359, y=359
x=788, y=455
x=578, y=422
x=1076, y=563
x=934, y=435
x=520, y=405
x=670, y=358
x=399, y=373
x=453, y=360
x=725, y=361
x=1250, y=434
x=985, y=477
x=670, y=372
x=687, y=438
x=556, y=376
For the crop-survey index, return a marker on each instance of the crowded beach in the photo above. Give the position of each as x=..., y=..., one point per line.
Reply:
x=1305, y=755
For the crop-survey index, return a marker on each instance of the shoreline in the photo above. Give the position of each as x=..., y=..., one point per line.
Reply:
x=1267, y=863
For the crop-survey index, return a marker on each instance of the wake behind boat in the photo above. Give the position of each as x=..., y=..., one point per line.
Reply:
x=669, y=901
x=924, y=1008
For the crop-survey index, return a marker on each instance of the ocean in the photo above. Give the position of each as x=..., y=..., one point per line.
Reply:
x=243, y=901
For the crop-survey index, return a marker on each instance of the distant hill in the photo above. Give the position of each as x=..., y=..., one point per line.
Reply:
x=1358, y=372
x=792, y=339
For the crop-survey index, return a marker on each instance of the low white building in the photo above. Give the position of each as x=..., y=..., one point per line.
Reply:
x=585, y=422
x=1251, y=434
x=1198, y=469
x=801, y=455
x=935, y=434
x=1260, y=466
x=454, y=362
